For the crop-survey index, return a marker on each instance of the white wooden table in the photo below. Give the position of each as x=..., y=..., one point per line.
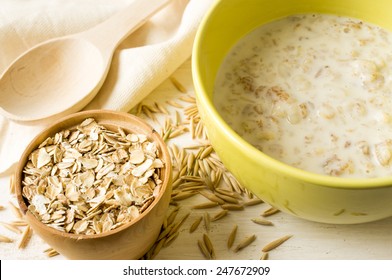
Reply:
x=310, y=240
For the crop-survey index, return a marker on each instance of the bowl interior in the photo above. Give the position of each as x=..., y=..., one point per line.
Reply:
x=111, y=120
x=228, y=21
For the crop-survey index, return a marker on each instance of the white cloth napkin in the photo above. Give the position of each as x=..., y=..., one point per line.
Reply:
x=143, y=60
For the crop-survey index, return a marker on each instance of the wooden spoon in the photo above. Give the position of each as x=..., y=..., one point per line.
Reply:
x=62, y=75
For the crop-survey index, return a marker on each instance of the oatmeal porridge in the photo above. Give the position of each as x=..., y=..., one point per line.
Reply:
x=313, y=91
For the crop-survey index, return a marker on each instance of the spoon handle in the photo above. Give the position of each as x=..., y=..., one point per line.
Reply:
x=110, y=33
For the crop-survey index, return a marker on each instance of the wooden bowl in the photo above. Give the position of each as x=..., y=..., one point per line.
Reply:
x=129, y=241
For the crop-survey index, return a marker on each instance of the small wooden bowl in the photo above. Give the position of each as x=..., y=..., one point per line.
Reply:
x=129, y=241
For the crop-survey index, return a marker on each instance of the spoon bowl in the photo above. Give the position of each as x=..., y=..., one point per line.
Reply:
x=54, y=78
x=62, y=75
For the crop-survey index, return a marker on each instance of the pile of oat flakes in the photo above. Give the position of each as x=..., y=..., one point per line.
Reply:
x=89, y=179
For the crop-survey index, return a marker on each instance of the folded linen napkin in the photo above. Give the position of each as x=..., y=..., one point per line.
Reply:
x=141, y=62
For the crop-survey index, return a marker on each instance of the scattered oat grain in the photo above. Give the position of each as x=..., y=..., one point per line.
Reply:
x=26, y=236
x=149, y=113
x=245, y=242
x=272, y=245
x=227, y=198
x=50, y=252
x=170, y=239
x=162, y=108
x=177, y=226
x=232, y=237
x=11, y=227
x=253, y=201
x=264, y=256
x=177, y=132
x=165, y=232
x=188, y=98
x=209, y=246
x=204, y=249
x=219, y=215
x=183, y=195
x=19, y=223
x=212, y=197
x=178, y=85
x=172, y=216
x=166, y=134
x=205, y=205
x=232, y=207
x=206, y=152
x=263, y=222
x=192, y=127
x=12, y=185
x=157, y=248
x=270, y=211
x=195, y=224
x=228, y=192
x=191, y=161
x=207, y=221
x=15, y=210
x=174, y=104
x=5, y=239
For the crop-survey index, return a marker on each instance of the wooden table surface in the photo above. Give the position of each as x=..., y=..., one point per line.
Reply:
x=309, y=241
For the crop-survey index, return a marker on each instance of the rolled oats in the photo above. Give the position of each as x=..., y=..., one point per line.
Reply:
x=89, y=179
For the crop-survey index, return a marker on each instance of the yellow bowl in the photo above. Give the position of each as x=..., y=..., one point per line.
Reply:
x=300, y=193
x=129, y=241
